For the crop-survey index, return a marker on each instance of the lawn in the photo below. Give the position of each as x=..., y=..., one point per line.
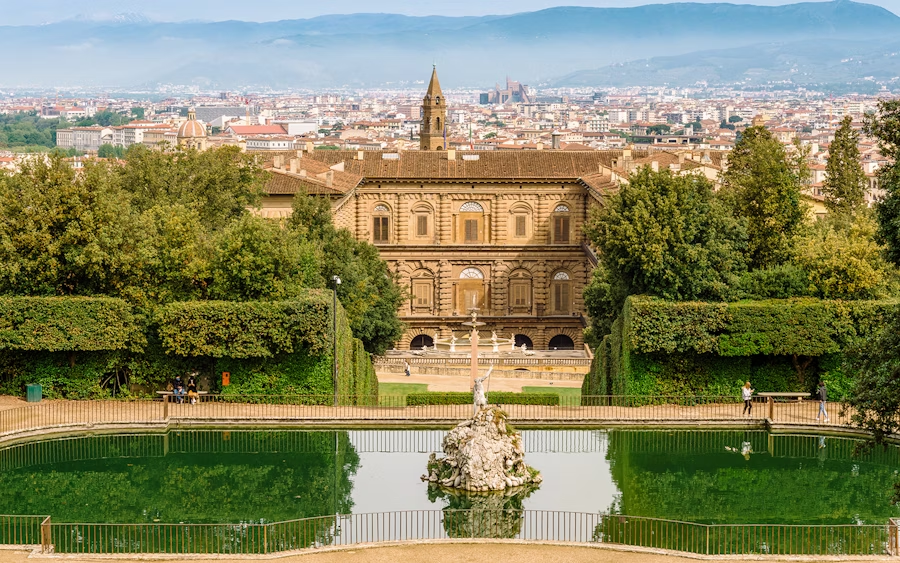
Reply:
x=567, y=395
x=388, y=391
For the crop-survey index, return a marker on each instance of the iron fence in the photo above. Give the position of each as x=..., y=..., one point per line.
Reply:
x=447, y=524
x=288, y=408
x=20, y=530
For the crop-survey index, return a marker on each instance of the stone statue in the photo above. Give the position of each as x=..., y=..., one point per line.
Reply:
x=512, y=342
x=482, y=454
x=524, y=348
x=453, y=343
x=493, y=336
x=479, y=396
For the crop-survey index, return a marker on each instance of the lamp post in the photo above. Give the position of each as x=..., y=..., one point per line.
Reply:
x=337, y=282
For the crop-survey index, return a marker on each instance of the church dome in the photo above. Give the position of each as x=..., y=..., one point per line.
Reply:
x=191, y=129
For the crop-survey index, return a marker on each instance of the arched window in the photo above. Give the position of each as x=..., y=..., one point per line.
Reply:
x=471, y=223
x=520, y=292
x=471, y=274
x=522, y=339
x=421, y=342
x=381, y=223
x=437, y=100
x=422, y=292
x=471, y=291
x=561, y=342
x=562, y=224
x=561, y=293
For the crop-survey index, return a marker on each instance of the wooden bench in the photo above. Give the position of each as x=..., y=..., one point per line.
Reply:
x=772, y=395
x=166, y=394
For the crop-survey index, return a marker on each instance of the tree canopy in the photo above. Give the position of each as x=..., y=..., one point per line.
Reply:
x=845, y=182
x=160, y=227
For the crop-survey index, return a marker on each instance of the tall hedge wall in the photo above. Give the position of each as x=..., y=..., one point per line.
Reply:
x=658, y=347
x=282, y=347
x=67, y=324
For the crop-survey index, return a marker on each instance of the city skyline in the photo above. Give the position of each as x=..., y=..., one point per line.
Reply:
x=23, y=12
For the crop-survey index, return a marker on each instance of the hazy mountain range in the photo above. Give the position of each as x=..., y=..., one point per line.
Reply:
x=678, y=44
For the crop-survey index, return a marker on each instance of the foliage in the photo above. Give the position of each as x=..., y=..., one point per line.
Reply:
x=764, y=191
x=55, y=324
x=246, y=329
x=775, y=282
x=658, y=129
x=735, y=119
x=111, y=151
x=663, y=235
x=876, y=391
x=137, y=113
x=255, y=258
x=369, y=291
x=845, y=182
x=62, y=233
x=884, y=126
x=28, y=130
x=842, y=260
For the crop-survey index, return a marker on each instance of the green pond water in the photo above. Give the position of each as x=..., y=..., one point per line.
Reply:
x=268, y=476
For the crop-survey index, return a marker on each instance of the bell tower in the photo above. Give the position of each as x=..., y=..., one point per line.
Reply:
x=434, y=117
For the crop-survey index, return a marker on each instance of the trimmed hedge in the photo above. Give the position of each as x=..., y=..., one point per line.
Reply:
x=658, y=347
x=249, y=329
x=493, y=397
x=806, y=327
x=67, y=324
x=78, y=347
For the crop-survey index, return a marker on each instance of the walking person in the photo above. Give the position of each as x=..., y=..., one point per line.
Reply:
x=406, y=369
x=747, y=394
x=822, y=395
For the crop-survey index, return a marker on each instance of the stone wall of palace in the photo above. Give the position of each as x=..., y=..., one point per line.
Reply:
x=513, y=250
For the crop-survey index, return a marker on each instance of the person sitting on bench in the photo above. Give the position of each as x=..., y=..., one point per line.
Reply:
x=192, y=393
x=178, y=389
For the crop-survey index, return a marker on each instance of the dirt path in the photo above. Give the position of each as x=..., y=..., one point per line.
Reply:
x=457, y=553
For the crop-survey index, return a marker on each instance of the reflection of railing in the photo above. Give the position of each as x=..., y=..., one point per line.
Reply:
x=291, y=409
x=529, y=525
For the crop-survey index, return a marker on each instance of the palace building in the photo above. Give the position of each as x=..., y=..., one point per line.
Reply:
x=496, y=231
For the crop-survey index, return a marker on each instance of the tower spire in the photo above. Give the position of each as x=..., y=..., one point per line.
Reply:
x=433, y=134
x=434, y=87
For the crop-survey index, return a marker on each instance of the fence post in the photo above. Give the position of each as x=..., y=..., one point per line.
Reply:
x=772, y=409
x=707, y=539
x=46, y=538
x=165, y=407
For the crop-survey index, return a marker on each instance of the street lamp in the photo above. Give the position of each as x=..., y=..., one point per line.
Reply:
x=337, y=282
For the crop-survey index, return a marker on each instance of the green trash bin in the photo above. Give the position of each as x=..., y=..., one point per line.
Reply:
x=33, y=393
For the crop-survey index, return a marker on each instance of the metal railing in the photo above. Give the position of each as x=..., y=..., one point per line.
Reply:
x=447, y=524
x=294, y=408
x=20, y=530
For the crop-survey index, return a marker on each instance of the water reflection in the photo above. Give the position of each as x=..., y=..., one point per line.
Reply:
x=467, y=514
x=267, y=476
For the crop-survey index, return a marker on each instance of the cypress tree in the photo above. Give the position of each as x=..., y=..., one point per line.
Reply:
x=845, y=182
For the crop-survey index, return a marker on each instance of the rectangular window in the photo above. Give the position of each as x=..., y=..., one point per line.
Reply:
x=561, y=230
x=471, y=230
x=520, y=225
x=561, y=297
x=421, y=294
x=380, y=230
x=519, y=296
x=422, y=225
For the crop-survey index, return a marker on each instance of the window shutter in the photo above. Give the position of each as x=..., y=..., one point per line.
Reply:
x=561, y=230
x=520, y=225
x=422, y=225
x=380, y=233
x=471, y=230
x=561, y=295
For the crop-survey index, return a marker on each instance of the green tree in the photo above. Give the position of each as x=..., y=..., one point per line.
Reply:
x=845, y=182
x=884, y=125
x=843, y=261
x=663, y=235
x=137, y=113
x=369, y=291
x=764, y=190
x=256, y=259
x=658, y=129
x=220, y=184
x=110, y=151
x=735, y=119
x=63, y=233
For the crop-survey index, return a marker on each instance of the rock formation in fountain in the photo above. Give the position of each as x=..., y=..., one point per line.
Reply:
x=482, y=454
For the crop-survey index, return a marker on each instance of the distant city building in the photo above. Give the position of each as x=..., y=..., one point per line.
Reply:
x=192, y=133
x=514, y=93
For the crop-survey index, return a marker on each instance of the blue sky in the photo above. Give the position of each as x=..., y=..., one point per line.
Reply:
x=25, y=12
